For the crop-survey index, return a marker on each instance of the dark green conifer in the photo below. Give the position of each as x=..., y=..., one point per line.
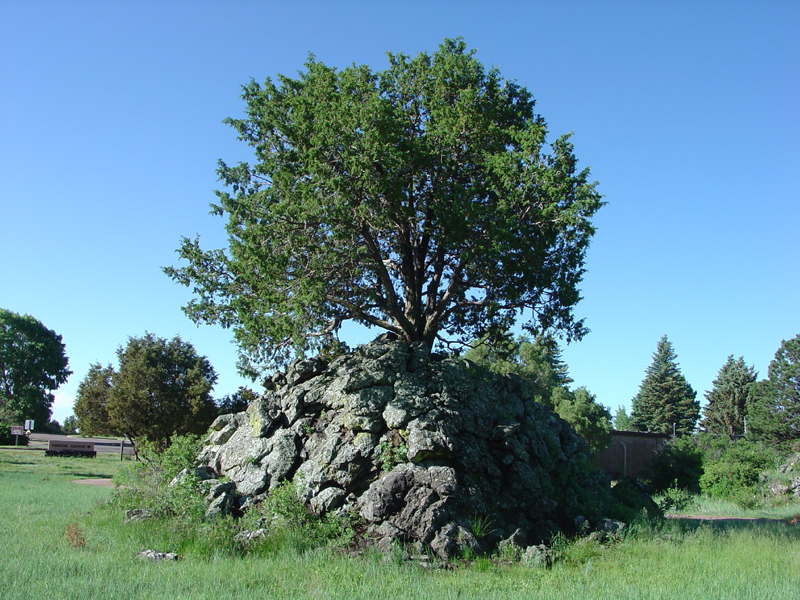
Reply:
x=774, y=407
x=665, y=402
x=727, y=401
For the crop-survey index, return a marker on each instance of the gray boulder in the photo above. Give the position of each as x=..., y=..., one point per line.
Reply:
x=416, y=445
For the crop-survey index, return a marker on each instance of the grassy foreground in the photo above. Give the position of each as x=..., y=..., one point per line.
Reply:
x=60, y=540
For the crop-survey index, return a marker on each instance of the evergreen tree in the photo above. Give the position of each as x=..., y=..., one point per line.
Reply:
x=590, y=419
x=622, y=421
x=665, y=400
x=91, y=402
x=727, y=401
x=774, y=408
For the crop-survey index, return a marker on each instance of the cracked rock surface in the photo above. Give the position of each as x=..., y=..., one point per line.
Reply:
x=421, y=447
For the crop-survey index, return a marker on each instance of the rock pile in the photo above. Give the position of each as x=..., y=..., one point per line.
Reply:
x=435, y=452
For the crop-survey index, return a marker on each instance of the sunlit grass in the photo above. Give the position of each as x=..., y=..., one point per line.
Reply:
x=39, y=501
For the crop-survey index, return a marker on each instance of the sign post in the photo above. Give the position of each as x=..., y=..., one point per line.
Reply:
x=16, y=431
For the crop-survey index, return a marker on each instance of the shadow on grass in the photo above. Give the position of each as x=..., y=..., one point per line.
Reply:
x=774, y=526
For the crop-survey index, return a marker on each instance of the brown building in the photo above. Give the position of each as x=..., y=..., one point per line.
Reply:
x=629, y=452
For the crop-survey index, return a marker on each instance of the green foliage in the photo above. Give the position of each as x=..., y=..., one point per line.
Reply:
x=589, y=419
x=33, y=363
x=162, y=389
x=678, y=465
x=622, y=421
x=146, y=482
x=774, y=409
x=481, y=526
x=236, y=402
x=70, y=425
x=393, y=453
x=91, y=401
x=631, y=503
x=538, y=362
x=676, y=499
x=665, y=400
x=732, y=471
x=292, y=524
x=727, y=401
x=423, y=199
x=8, y=419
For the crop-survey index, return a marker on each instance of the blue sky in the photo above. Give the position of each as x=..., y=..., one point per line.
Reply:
x=686, y=112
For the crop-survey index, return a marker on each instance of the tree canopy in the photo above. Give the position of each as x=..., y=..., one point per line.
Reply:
x=774, y=408
x=162, y=388
x=423, y=199
x=665, y=402
x=727, y=400
x=33, y=362
x=91, y=401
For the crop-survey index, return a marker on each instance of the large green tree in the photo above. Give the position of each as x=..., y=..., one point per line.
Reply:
x=423, y=199
x=161, y=388
x=91, y=401
x=727, y=400
x=774, y=408
x=665, y=402
x=33, y=363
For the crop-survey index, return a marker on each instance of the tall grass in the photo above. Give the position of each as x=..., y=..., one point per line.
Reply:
x=39, y=502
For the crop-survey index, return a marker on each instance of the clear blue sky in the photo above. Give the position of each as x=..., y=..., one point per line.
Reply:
x=688, y=114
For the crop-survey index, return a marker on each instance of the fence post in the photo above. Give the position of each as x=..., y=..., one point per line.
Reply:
x=121, y=447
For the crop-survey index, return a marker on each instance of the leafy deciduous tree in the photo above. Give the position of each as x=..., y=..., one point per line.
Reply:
x=32, y=364
x=161, y=389
x=423, y=199
x=665, y=402
x=727, y=400
x=70, y=425
x=774, y=409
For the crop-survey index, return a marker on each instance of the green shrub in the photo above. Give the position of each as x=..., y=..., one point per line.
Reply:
x=291, y=524
x=146, y=482
x=733, y=473
x=678, y=465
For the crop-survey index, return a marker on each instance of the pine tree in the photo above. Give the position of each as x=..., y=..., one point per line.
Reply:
x=727, y=401
x=774, y=407
x=665, y=402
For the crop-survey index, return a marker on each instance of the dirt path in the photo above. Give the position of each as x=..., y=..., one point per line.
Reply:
x=725, y=519
x=95, y=481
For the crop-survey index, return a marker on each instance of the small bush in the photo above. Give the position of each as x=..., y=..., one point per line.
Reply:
x=676, y=499
x=290, y=523
x=146, y=483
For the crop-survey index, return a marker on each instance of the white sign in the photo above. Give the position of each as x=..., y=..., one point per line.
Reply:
x=17, y=430
x=29, y=425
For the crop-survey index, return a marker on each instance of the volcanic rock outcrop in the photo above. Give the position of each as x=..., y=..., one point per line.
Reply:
x=430, y=451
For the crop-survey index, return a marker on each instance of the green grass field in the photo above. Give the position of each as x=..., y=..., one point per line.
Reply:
x=61, y=540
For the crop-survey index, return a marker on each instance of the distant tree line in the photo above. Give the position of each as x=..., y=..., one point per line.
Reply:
x=766, y=410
